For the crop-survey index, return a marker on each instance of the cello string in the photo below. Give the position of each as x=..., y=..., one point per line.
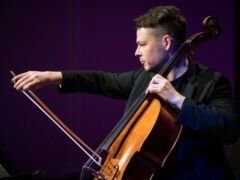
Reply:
x=90, y=162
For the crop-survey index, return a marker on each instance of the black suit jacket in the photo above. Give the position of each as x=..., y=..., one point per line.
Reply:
x=207, y=115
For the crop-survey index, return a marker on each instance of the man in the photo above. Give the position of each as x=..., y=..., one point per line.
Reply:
x=202, y=96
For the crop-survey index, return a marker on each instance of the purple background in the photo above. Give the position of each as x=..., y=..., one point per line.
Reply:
x=81, y=34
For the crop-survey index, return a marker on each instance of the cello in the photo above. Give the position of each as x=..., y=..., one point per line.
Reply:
x=149, y=122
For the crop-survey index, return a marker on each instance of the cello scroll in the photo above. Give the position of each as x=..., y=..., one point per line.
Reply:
x=213, y=28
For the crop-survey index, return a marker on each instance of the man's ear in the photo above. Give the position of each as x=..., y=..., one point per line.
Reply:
x=167, y=42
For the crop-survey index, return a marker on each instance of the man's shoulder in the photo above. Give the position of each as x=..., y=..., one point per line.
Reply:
x=199, y=69
x=203, y=76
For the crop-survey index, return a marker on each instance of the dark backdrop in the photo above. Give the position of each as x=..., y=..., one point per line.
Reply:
x=82, y=34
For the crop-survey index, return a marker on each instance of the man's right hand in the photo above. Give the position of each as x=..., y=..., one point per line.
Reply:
x=36, y=79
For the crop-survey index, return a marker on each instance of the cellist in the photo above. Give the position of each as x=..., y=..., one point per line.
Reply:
x=202, y=96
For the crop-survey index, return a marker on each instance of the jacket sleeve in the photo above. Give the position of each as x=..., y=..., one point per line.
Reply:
x=114, y=85
x=215, y=117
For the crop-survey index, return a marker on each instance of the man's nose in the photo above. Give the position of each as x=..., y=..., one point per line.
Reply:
x=137, y=53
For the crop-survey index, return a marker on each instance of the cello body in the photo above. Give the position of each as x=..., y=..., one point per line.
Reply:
x=144, y=144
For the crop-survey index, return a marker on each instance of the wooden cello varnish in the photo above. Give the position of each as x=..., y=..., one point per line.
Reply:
x=136, y=140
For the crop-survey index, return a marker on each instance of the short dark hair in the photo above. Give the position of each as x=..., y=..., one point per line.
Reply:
x=167, y=18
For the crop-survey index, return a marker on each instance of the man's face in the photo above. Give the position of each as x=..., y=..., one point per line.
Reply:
x=150, y=49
